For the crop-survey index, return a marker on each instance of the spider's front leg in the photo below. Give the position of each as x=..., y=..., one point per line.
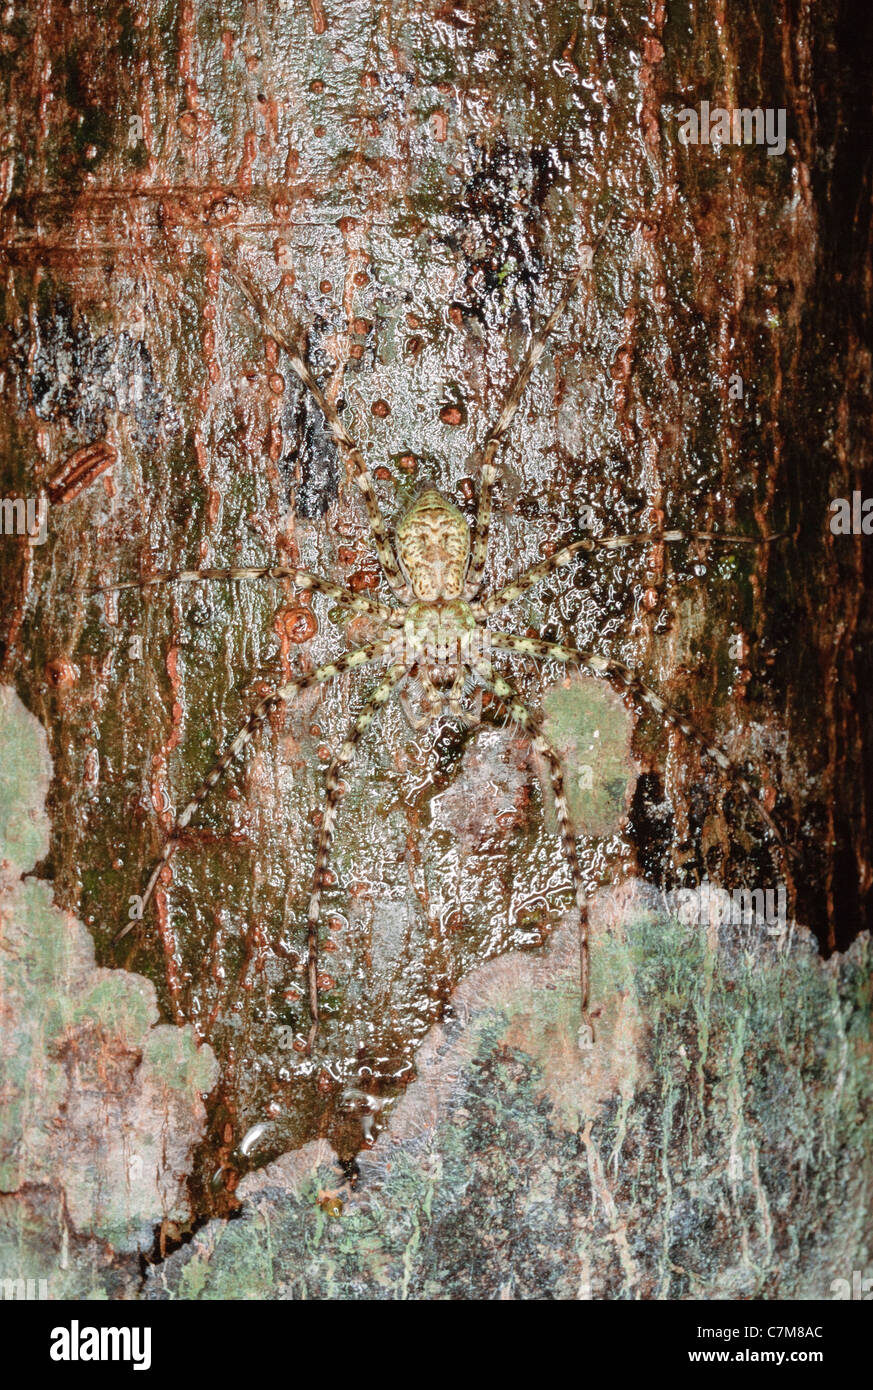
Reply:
x=348, y=448
x=362, y=722
x=373, y=651
x=301, y=579
x=496, y=435
x=531, y=722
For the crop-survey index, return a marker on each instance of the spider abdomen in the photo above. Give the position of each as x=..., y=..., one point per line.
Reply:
x=433, y=545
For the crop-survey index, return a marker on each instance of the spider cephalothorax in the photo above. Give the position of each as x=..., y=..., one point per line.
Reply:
x=433, y=633
x=441, y=642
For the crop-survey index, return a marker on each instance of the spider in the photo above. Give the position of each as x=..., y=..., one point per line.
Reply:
x=435, y=642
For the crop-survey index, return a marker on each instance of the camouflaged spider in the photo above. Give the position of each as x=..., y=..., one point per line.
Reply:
x=436, y=640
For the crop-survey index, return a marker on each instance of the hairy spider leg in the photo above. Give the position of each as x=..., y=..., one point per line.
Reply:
x=626, y=682
x=423, y=688
x=361, y=656
x=494, y=438
x=531, y=722
x=362, y=475
x=528, y=578
x=302, y=579
x=333, y=796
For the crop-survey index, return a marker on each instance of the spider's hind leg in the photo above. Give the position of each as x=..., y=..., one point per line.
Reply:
x=372, y=652
x=531, y=723
x=333, y=787
x=626, y=682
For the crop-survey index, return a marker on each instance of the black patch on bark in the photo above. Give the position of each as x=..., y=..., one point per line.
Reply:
x=64, y=374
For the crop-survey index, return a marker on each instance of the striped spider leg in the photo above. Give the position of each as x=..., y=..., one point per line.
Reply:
x=531, y=722
x=361, y=656
x=626, y=682
x=514, y=589
x=621, y=677
x=301, y=579
x=348, y=449
x=333, y=795
x=496, y=435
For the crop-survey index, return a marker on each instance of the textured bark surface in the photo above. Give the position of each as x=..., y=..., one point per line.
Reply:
x=715, y=1144
x=726, y=1109
x=102, y=1105
x=411, y=185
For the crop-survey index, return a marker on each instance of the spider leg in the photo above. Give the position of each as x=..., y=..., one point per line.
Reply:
x=360, y=657
x=522, y=582
x=362, y=722
x=302, y=579
x=416, y=722
x=494, y=438
x=531, y=722
x=421, y=687
x=362, y=476
x=455, y=696
x=623, y=679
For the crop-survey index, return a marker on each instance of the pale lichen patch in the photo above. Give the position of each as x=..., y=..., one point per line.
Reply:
x=103, y=1106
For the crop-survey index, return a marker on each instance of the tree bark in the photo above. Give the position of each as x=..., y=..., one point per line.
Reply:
x=411, y=187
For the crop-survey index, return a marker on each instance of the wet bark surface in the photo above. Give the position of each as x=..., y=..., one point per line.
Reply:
x=411, y=186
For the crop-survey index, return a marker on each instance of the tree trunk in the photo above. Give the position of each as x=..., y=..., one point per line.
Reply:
x=411, y=187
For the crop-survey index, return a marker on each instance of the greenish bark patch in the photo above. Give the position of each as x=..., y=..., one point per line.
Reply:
x=102, y=1106
x=716, y=1142
x=590, y=729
